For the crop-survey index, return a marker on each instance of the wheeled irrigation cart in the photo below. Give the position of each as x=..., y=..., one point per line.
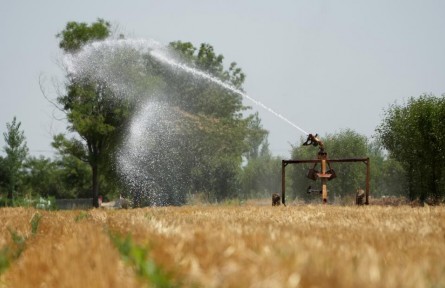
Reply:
x=324, y=175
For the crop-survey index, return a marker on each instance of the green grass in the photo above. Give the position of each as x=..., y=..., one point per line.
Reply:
x=82, y=215
x=5, y=260
x=35, y=221
x=139, y=257
x=10, y=253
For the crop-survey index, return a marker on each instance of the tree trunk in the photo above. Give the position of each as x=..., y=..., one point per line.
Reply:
x=95, y=169
x=11, y=187
x=10, y=198
x=10, y=194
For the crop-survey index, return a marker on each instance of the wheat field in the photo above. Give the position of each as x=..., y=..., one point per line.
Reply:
x=224, y=246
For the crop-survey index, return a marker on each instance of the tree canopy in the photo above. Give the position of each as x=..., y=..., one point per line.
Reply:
x=413, y=134
x=16, y=152
x=87, y=104
x=75, y=35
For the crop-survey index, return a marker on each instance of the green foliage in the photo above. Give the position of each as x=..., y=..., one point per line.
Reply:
x=12, y=252
x=220, y=133
x=35, y=221
x=207, y=60
x=3, y=174
x=75, y=34
x=413, y=135
x=90, y=111
x=385, y=174
x=212, y=134
x=4, y=259
x=4, y=201
x=139, y=257
x=41, y=178
x=350, y=176
x=75, y=174
x=256, y=138
x=262, y=175
x=64, y=177
x=82, y=215
x=16, y=153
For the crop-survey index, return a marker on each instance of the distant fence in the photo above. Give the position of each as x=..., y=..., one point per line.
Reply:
x=72, y=204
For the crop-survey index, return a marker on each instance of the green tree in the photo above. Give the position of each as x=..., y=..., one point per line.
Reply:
x=413, y=135
x=16, y=153
x=387, y=174
x=90, y=112
x=64, y=177
x=3, y=178
x=262, y=175
x=76, y=35
x=220, y=132
x=40, y=177
x=256, y=139
x=74, y=177
x=210, y=131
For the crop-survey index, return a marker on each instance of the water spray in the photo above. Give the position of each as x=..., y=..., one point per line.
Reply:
x=227, y=86
x=94, y=61
x=106, y=62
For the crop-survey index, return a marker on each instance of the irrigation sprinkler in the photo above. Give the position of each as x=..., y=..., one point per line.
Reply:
x=326, y=174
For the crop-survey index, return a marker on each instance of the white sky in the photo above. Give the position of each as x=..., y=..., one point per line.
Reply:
x=325, y=65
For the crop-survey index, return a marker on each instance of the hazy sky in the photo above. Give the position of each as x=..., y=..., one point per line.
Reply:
x=325, y=65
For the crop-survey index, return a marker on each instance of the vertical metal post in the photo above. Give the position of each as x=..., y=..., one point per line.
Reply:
x=283, y=184
x=368, y=177
x=324, y=190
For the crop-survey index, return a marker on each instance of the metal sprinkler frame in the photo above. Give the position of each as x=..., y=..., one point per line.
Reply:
x=325, y=175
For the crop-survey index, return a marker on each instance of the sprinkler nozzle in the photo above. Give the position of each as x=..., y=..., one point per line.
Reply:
x=313, y=140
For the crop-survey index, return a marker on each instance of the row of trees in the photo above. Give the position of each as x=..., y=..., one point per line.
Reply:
x=69, y=177
x=222, y=152
x=24, y=177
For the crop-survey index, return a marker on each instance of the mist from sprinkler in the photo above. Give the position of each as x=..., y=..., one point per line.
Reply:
x=122, y=65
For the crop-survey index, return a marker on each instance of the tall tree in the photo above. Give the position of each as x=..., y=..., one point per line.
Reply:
x=87, y=104
x=221, y=133
x=413, y=134
x=16, y=153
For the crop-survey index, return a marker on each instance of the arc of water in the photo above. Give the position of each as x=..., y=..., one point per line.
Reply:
x=158, y=51
x=206, y=76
